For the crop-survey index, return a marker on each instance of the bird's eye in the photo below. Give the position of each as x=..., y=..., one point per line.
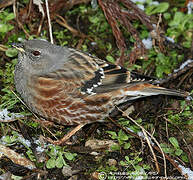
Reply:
x=36, y=53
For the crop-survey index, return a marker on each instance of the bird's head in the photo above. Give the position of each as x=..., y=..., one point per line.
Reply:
x=40, y=56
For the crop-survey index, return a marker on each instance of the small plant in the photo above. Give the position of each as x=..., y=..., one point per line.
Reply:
x=5, y=27
x=163, y=64
x=155, y=8
x=61, y=37
x=122, y=139
x=15, y=139
x=8, y=99
x=133, y=169
x=174, y=149
x=185, y=117
x=108, y=169
x=57, y=154
x=181, y=26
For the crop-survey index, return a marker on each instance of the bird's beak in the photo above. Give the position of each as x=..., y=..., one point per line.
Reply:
x=18, y=46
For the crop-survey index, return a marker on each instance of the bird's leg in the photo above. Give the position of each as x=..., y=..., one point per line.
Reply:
x=67, y=136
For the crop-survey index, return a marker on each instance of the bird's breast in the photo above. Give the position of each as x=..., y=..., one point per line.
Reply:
x=63, y=103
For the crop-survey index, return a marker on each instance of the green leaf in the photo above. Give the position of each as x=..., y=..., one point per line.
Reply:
x=153, y=9
x=9, y=139
x=149, y=9
x=10, y=17
x=178, y=18
x=159, y=71
x=123, y=163
x=187, y=44
x=178, y=152
x=3, y=28
x=60, y=162
x=127, y=145
x=11, y=52
x=122, y=136
x=84, y=47
x=190, y=122
x=166, y=149
x=138, y=168
x=184, y=157
x=162, y=7
x=110, y=59
x=127, y=158
x=187, y=18
x=115, y=147
x=94, y=19
x=30, y=155
x=167, y=15
x=160, y=58
x=51, y=163
x=174, y=142
x=113, y=134
x=26, y=1
x=70, y=156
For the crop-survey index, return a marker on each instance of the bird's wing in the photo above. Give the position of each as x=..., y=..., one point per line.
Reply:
x=95, y=76
x=99, y=76
x=104, y=77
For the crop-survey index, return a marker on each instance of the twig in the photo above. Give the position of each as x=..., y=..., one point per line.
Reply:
x=192, y=48
x=144, y=18
x=160, y=149
x=123, y=128
x=158, y=37
x=18, y=22
x=22, y=101
x=151, y=149
x=64, y=23
x=40, y=26
x=175, y=164
x=30, y=6
x=177, y=73
x=3, y=47
x=182, y=135
x=5, y=3
x=183, y=78
x=111, y=11
x=8, y=121
x=116, y=16
x=57, y=5
x=49, y=22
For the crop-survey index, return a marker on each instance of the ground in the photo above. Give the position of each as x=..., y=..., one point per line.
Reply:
x=119, y=146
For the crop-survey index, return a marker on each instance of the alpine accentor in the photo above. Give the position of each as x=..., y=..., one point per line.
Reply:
x=70, y=87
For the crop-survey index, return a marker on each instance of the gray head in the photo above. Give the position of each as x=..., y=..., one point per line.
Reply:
x=40, y=56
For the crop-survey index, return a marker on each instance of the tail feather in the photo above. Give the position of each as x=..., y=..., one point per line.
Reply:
x=164, y=91
x=137, y=91
x=147, y=89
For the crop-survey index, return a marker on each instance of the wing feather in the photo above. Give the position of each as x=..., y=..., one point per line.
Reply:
x=93, y=75
x=85, y=74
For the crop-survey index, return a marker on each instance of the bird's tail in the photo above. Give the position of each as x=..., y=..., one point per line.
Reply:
x=145, y=89
x=164, y=91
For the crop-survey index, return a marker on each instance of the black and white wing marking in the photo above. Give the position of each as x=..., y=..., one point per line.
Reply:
x=98, y=76
x=110, y=77
x=94, y=82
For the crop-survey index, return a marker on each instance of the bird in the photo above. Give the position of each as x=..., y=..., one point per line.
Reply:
x=71, y=87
